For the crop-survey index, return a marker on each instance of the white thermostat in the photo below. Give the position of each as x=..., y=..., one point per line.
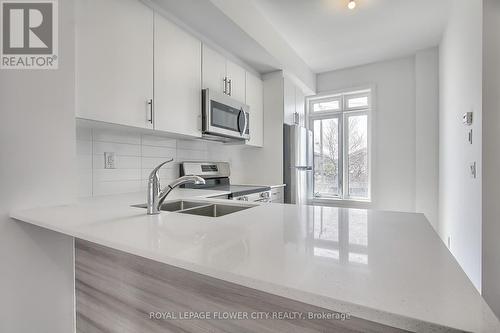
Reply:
x=467, y=118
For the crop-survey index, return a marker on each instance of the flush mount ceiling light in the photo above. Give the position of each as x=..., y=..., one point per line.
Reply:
x=351, y=5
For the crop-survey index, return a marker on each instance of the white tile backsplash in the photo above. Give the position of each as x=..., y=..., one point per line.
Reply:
x=157, y=141
x=84, y=182
x=117, y=187
x=192, y=144
x=135, y=156
x=83, y=133
x=116, y=136
x=151, y=162
x=155, y=151
x=124, y=149
x=165, y=173
x=83, y=148
x=121, y=162
x=110, y=175
x=192, y=155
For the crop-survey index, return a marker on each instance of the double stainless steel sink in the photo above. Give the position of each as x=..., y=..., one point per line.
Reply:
x=201, y=208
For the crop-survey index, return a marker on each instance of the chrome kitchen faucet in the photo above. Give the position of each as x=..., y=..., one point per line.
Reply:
x=156, y=195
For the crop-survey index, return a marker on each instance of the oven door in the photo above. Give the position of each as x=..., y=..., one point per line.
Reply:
x=264, y=197
x=224, y=116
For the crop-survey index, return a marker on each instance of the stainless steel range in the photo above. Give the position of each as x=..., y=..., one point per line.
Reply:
x=216, y=175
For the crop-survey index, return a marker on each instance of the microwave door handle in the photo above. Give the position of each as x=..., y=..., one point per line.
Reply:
x=242, y=127
x=246, y=122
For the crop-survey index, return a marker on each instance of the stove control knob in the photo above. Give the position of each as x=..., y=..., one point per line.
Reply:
x=264, y=195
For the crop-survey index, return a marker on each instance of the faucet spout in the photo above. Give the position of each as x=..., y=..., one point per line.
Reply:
x=179, y=181
x=156, y=195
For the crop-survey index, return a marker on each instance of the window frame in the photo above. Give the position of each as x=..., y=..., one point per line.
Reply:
x=343, y=115
x=332, y=115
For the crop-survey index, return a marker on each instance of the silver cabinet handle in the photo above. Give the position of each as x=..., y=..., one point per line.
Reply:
x=230, y=83
x=224, y=87
x=151, y=113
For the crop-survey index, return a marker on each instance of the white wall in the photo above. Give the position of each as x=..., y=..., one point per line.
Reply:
x=491, y=155
x=37, y=149
x=460, y=90
x=427, y=134
x=394, y=169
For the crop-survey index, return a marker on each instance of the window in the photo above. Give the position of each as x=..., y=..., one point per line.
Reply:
x=328, y=105
x=340, y=124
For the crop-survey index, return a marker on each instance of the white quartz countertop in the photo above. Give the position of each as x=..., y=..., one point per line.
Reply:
x=387, y=267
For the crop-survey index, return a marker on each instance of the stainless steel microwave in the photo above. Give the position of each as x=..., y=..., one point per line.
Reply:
x=224, y=117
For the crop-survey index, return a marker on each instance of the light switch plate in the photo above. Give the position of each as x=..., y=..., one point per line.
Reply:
x=109, y=160
x=473, y=170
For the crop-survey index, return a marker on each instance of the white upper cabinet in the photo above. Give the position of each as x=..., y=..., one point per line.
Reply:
x=289, y=102
x=114, y=41
x=214, y=70
x=177, y=80
x=255, y=99
x=300, y=106
x=236, y=81
x=222, y=75
x=294, y=103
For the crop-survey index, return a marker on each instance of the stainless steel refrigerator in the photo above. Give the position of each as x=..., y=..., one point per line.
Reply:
x=297, y=163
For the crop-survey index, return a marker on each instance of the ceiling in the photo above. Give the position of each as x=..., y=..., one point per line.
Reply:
x=238, y=30
x=328, y=36
x=208, y=23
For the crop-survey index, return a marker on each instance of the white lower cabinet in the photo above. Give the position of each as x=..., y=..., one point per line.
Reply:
x=255, y=99
x=177, y=80
x=114, y=66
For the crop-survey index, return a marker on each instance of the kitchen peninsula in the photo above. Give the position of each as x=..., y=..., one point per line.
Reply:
x=389, y=271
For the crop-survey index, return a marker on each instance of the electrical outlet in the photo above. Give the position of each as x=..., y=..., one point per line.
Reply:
x=109, y=160
x=467, y=118
x=473, y=170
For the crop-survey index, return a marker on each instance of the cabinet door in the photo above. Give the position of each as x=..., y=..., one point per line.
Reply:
x=213, y=70
x=289, y=101
x=114, y=44
x=177, y=80
x=236, y=75
x=300, y=100
x=255, y=99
